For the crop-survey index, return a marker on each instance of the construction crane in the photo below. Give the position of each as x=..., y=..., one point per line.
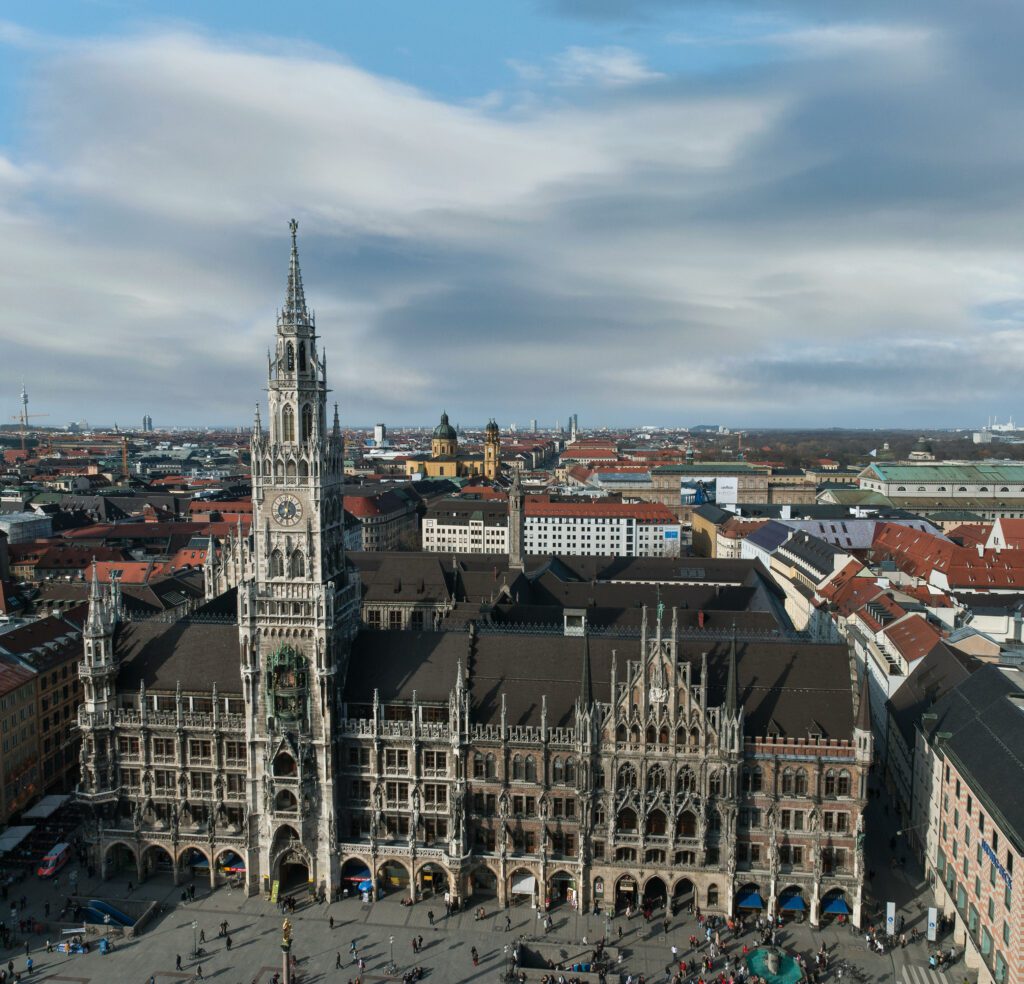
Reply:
x=24, y=417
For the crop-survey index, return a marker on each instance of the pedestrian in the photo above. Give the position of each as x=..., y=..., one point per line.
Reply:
x=675, y=953
x=199, y=973
x=337, y=960
x=413, y=944
x=475, y=956
x=202, y=936
x=419, y=944
x=666, y=927
x=228, y=942
x=508, y=923
x=28, y=966
x=430, y=916
x=330, y=922
x=177, y=961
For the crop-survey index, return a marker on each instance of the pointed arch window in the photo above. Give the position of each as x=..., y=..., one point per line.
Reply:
x=298, y=564
x=557, y=771
x=289, y=357
x=302, y=356
x=276, y=564
x=531, y=769
x=570, y=771
x=517, y=768
x=800, y=782
x=287, y=423
x=307, y=422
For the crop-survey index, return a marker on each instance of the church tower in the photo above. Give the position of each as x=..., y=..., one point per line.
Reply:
x=492, y=451
x=297, y=610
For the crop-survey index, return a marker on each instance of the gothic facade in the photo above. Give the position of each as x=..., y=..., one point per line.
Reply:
x=267, y=735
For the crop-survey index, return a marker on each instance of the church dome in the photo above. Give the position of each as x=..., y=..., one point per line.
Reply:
x=492, y=427
x=444, y=431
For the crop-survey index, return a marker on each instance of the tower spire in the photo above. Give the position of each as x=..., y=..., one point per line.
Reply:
x=295, y=299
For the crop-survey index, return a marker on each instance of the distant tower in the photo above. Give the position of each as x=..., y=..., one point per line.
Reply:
x=516, y=525
x=533, y=425
x=445, y=441
x=492, y=451
x=573, y=427
x=380, y=435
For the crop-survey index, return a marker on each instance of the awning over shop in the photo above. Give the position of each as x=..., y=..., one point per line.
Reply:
x=46, y=807
x=750, y=900
x=524, y=885
x=792, y=903
x=12, y=837
x=836, y=906
x=361, y=874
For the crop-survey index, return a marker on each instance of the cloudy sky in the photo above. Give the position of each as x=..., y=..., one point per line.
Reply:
x=752, y=213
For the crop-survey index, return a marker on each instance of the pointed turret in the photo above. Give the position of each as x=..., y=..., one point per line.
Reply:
x=294, y=311
x=97, y=607
x=864, y=705
x=586, y=690
x=730, y=681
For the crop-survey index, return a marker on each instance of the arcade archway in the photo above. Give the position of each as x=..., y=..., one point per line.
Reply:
x=156, y=860
x=655, y=893
x=562, y=889
x=393, y=876
x=432, y=881
x=684, y=895
x=625, y=892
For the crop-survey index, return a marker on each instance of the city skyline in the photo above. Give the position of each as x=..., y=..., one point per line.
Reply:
x=653, y=213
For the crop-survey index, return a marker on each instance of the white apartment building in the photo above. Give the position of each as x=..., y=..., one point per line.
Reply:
x=595, y=529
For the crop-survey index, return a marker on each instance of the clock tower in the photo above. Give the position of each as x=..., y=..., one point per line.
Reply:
x=297, y=611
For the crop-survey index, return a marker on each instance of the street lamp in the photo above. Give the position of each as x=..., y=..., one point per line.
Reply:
x=195, y=940
x=391, y=949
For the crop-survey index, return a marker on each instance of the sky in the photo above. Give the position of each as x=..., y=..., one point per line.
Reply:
x=771, y=213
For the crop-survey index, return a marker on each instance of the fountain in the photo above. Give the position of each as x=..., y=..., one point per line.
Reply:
x=774, y=965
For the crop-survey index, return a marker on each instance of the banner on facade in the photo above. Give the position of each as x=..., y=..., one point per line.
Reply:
x=275, y=888
x=933, y=925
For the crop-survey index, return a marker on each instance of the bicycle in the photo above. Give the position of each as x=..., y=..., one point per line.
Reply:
x=391, y=968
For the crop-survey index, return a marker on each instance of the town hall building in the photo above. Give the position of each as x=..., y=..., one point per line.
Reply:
x=280, y=735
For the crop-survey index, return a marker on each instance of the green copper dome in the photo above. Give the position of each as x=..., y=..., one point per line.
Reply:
x=444, y=431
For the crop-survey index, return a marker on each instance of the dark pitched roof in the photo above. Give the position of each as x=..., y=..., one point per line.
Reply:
x=195, y=653
x=800, y=687
x=770, y=536
x=937, y=673
x=984, y=720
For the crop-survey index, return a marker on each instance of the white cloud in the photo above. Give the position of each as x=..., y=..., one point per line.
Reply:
x=673, y=246
x=609, y=67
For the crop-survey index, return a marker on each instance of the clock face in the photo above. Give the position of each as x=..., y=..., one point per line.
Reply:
x=287, y=510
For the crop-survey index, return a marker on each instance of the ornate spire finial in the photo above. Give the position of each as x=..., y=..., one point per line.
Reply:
x=295, y=300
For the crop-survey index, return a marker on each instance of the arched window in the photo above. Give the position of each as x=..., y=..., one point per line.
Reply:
x=599, y=816
x=491, y=766
x=800, y=782
x=531, y=769
x=287, y=423
x=787, y=782
x=298, y=564
x=680, y=735
x=276, y=564
x=830, y=782
x=302, y=356
x=694, y=738
x=655, y=779
x=1004, y=489
x=478, y=766
x=656, y=823
x=712, y=896
x=289, y=357
x=663, y=735
x=634, y=734
x=570, y=771
x=687, y=779
x=652, y=734
x=984, y=488
x=557, y=771
x=307, y=422
x=756, y=779
x=517, y=767
x=626, y=819
x=620, y=734
x=715, y=783
x=901, y=488
x=687, y=824
x=626, y=778
x=843, y=785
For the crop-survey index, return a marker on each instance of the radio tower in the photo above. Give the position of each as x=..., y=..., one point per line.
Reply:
x=24, y=417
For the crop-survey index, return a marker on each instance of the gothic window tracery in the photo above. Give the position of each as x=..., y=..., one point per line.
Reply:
x=307, y=422
x=287, y=423
x=298, y=564
x=289, y=357
x=276, y=564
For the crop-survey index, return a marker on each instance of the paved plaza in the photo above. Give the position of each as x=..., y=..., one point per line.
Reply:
x=254, y=925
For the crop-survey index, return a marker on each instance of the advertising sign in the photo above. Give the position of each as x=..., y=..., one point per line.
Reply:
x=890, y=918
x=933, y=925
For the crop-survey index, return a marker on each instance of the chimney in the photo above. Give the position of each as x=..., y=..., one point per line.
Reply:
x=786, y=512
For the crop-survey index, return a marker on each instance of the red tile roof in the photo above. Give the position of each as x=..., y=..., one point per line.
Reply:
x=913, y=638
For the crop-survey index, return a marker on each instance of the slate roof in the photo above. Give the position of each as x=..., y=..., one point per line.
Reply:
x=770, y=537
x=798, y=687
x=984, y=717
x=941, y=670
